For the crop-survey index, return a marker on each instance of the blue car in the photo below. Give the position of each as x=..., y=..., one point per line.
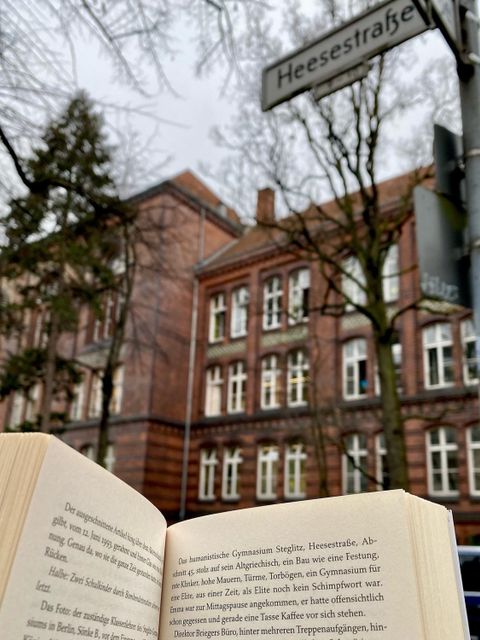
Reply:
x=470, y=569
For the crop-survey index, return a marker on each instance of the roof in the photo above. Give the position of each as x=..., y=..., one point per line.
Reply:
x=260, y=240
x=190, y=186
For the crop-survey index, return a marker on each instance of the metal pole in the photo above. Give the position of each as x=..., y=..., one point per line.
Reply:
x=470, y=104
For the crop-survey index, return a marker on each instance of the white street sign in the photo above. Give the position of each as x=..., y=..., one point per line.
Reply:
x=368, y=34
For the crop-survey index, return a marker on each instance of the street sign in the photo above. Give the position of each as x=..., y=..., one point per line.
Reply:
x=446, y=15
x=380, y=28
x=443, y=265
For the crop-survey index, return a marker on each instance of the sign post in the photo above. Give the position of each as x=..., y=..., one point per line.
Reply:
x=470, y=103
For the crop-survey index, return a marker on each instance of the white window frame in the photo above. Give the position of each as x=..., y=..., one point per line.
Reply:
x=16, y=409
x=213, y=391
x=216, y=327
x=206, y=483
x=32, y=402
x=353, y=283
x=117, y=391
x=88, y=450
x=270, y=382
x=77, y=406
x=397, y=363
x=390, y=275
x=443, y=448
x=297, y=378
x=272, y=303
x=298, y=292
x=110, y=457
x=232, y=460
x=237, y=387
x=267, y=471
x=380, y=460
x=467, y=330
x=295, y=474
x=353, y=479
x=95, y=400
x=435, y=344
x=354, y=353
x=239, y=316
x=473, y=447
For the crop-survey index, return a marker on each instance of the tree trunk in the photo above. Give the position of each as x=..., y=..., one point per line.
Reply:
x=50, y=371
x=393, y=425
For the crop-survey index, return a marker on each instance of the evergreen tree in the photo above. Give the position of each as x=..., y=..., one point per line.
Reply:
x=62, y=237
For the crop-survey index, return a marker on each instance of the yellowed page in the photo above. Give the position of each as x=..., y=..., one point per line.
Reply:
x=331, y=569
x=89, y=560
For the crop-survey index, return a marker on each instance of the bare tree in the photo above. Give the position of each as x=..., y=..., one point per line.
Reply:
x=309, y=150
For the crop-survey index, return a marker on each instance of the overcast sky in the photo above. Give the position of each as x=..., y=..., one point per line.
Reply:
x=180, y=125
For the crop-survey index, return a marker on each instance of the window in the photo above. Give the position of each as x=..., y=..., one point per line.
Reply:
x=442, y=462
x=217, y=318
x=78, y=401
x=237, y=387
x=355, y=369
x=96, y=396
x=238, y=326
x=230, y=479
x=110, y=458
x=32, y=406
x=437, y=354
x=390, y=274
x=297, y=378
x=40, y=328
x=353, y=283
x=272, y=303
x=117, y=391
x=470, y=370
x=298, y=289
x=295, y=471
x=103, y=325
x=382, y=474
x=88, y=450
x=397, y=364
x=355, y=464
x=16, y=409
x=270, y=383
x=267, y=469
x=473, y=442
x=213, y=394
x=95, y=404
x=208, y=462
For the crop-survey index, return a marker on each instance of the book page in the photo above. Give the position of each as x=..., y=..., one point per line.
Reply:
x=329, y=569
x=90, y=558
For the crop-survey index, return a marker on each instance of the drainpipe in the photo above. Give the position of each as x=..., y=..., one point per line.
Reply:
x=191, y=374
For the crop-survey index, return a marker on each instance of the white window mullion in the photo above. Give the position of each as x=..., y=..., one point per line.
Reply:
x=208, y=462
x=230, y=478
x=295, y=471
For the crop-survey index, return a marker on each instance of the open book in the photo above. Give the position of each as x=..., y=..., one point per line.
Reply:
x=82, y=555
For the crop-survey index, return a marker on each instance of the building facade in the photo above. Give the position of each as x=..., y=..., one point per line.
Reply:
x=233, y=381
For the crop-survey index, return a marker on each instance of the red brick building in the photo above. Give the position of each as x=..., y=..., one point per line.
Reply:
x=233, y=370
